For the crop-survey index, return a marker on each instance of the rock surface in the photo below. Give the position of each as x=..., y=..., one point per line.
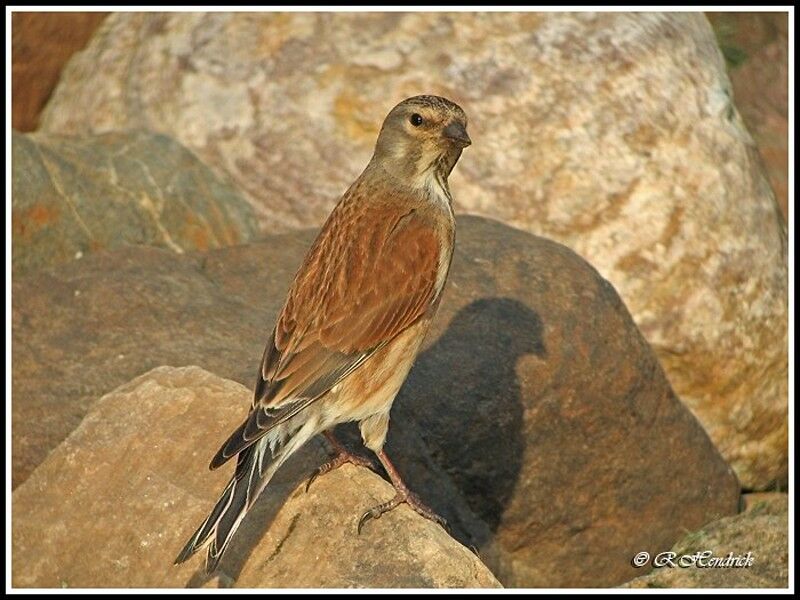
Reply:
x=752, y=499
x=613, y=133
x=113, y=505
x=83, y=329
x=762, y=531
x=535, y=400
x=549, y=411
x=756, y=47
x=74, y=195
x=41, y=43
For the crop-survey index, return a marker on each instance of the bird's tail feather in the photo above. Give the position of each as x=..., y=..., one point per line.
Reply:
x=255, y=467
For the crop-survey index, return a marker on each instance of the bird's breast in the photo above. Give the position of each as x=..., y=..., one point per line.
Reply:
x=371, y=389
x=443, y=268
x=444, y=219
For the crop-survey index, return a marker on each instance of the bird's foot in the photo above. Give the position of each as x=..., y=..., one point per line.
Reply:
x=342, y=457
x=403, y=496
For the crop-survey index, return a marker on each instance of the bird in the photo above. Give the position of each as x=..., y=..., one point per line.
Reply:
x=354, y=318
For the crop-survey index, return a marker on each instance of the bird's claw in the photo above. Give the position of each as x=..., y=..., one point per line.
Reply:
x=337, y=461
x=370, y=514
x=402, y=498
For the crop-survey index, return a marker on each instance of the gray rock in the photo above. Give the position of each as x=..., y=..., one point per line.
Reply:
x=75, y=195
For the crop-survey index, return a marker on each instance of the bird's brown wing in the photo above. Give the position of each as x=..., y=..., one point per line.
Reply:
x=369, y=276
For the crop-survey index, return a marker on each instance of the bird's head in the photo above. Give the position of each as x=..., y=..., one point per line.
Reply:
x=423, y=136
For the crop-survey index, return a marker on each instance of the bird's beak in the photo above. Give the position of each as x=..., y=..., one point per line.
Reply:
x=457, y=133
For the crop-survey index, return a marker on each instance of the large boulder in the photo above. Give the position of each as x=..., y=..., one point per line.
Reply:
x=537, y=420
x=761, y=533
x=112, y=506
x=549, y=412
x=614, y=133
x=73, y=195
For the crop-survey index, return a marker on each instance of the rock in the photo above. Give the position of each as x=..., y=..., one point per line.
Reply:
x=756, y=47
x=113, y=505
x=88, y=326
x=763, y=501
x=74, y=195
x=41, y=44
x=547, y=408
x=766, y=503
x=536, y=403
x=613, y=133
x=761, y=532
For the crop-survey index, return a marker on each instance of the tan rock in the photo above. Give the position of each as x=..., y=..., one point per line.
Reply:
x=772, y=501
x=613, y=133
x=760, y=533
x=113, y=505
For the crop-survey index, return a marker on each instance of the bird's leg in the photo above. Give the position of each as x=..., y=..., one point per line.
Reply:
x=340, y=457
x=402, y=496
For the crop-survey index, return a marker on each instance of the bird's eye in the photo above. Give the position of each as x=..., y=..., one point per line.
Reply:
x=416, y=120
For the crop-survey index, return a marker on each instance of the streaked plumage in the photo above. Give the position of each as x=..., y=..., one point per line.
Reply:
x=355, y=315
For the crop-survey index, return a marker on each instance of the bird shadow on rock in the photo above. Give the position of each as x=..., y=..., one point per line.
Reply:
x=456, y=433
